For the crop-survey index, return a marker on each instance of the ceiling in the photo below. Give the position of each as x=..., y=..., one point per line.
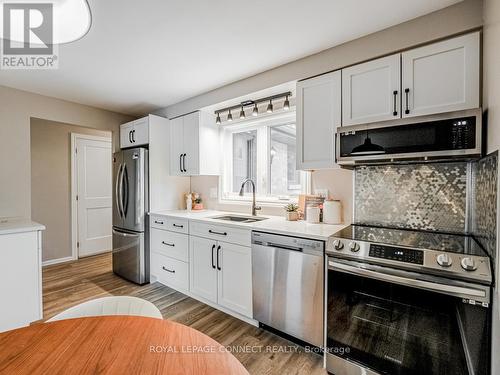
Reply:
x=143, y=55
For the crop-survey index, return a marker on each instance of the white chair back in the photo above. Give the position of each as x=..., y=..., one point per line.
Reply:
x=115, y=305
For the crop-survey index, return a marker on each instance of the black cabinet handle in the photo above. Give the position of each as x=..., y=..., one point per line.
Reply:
x=158, y=222
x=407, y=110
x=133, y=135
x=184, y=163
x=180, y=163
x=213, y=263
x=178, y=226
x=218, y=250
x=395, y=112
x=166, y=269
x=219, y=233
x=168, y=244
x=130, y=136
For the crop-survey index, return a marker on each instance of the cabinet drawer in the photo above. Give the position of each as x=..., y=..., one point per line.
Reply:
x=174, y=245
x=239, y=236
x=174, y=224
x=171, y=272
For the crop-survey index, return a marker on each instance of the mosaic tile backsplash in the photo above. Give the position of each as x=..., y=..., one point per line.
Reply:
x=484, y=202
x=418, y=196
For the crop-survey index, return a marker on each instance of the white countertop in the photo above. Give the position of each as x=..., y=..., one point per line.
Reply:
x=18, y=225
x=274, y=224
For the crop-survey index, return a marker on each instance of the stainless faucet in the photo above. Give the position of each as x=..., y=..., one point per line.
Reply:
x=254, y=207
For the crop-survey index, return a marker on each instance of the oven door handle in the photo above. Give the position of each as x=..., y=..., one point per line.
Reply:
x=479, y=293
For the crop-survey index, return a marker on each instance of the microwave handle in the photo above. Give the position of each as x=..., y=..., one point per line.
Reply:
x=402, y=278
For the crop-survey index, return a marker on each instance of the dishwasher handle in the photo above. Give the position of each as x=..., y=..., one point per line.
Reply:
x=284, y=247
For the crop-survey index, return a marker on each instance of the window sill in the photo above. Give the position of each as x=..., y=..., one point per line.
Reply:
x=261, y=202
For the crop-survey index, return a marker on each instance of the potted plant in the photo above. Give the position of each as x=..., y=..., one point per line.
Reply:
x=292, y=212
x=198, y=205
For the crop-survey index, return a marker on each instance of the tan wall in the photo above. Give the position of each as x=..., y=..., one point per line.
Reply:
x=16, y=109
x=491, y=104
x=51, y=182
x=458, y=18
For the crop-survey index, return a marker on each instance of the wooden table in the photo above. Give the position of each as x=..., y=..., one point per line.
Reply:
x=113, y=345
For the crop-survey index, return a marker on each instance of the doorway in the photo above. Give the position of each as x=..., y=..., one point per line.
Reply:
x=91, y=192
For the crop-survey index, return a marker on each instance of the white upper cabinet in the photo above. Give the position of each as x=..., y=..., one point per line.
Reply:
x=441, y=77
x=134, y=133
x=194, y=145
x=318, y=116
x=372, y=91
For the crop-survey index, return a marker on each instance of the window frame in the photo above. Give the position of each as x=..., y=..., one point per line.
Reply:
x=263, y=127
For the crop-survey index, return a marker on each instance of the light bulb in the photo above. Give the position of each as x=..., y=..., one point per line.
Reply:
x=255, y=111
x=286, y=104
x=242, y=113
x=229, y=116
x=217, y=120
x=270, y=107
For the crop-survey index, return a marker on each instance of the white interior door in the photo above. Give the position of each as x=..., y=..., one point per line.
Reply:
x=93, y=201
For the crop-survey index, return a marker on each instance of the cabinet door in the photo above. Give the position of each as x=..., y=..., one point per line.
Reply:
x=176, y=146
x=235, y=278
x=441, y=77
x=202, y=268
x=20, y=280
x=140, y=134
x=371, y=91
x=126, y=135
x=318, y=116
x=191, y=143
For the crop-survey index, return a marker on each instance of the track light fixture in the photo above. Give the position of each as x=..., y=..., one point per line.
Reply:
x=286, y=104
x=252, y=103
x=270, y=106
x=255, y=111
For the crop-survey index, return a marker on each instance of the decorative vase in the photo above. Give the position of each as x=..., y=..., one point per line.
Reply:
x=198, y=206
x=292, y=216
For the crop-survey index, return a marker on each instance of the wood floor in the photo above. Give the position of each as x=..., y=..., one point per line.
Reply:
x=68, y=284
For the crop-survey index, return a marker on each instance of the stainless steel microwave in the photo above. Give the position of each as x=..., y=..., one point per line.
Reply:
x=426, y=138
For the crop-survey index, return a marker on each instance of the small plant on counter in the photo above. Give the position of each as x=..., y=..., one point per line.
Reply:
x=292, y=212
x=197, y=203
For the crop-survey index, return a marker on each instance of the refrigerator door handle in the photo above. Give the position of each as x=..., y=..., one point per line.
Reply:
x=139, y=190
x=118, y=190
x=126, y=190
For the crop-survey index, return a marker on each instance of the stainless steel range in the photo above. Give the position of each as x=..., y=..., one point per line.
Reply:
x=407, y=302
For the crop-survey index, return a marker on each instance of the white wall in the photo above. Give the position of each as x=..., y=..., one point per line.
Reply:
x=16, y=109
x=491, y=104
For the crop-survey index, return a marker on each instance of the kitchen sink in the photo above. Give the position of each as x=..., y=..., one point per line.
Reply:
x=239, y=218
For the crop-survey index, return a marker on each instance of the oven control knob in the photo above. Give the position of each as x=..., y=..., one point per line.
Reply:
x=468, y=264
x=354, y=247
x=444, y=260
x=338, y=245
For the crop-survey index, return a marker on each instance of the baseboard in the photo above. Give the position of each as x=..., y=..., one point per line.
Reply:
x=50, y=262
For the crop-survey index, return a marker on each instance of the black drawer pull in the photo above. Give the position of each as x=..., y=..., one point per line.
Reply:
x=178, y=226
x=166, y=269
x=168, y=244
x=213, y=248
x=219, y=233
x=159, y=222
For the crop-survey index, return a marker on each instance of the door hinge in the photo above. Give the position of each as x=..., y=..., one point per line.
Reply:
x=77, y=197
x=78, y=244
x=76, y=150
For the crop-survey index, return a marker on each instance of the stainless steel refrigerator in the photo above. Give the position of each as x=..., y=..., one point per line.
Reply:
x=130, y=206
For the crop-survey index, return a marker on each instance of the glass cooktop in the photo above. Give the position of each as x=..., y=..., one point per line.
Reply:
x=453, y=243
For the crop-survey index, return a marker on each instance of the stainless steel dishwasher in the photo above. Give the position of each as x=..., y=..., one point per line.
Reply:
x=288, y=285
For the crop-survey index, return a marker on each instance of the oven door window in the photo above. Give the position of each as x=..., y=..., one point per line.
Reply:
x=395, y=329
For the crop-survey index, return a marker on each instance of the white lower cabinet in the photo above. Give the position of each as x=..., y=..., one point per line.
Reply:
x=20, y=279
x=221, y=272
x=199, y=264
x=202, y=266
x=234, y=286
